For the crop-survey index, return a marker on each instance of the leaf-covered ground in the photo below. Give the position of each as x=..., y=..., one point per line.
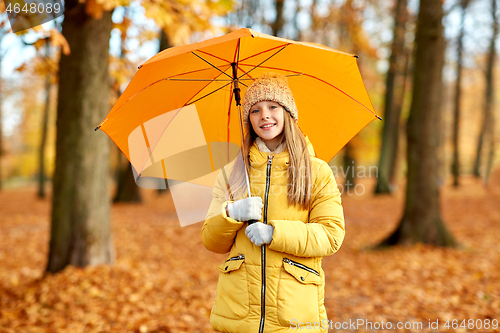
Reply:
x=164, y=280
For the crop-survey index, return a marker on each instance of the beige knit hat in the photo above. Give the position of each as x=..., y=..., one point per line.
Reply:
x=270, y=87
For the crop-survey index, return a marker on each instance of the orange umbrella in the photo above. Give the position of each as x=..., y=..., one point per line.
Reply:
x=200, y=84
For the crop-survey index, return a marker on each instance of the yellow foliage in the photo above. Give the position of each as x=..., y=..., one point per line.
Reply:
x=123, y=26
x=57, y=39
x=21, y=68
x=24, y=154
x=39, y=44
x=110, y=4
x=121, y=70
x=179, y=19
x=94, y=9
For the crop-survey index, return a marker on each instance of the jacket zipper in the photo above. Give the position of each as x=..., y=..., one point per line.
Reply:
x=238, y=257
x=299, y=265
x=263, y=250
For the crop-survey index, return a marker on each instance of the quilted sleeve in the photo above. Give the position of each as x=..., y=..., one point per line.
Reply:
x=219, y=230
x=324, y=233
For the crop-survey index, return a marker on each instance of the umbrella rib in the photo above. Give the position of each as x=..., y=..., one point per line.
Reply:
x=314, y=77
x=214, y=56
x=237, y=55
x=191, y=72
x=198, y=80
x=256, y=54
x=189, y=103
x=217, y=68
x=264, y=61
x=238, y=64
x=152, y=84
x=253, y=78
x=210, y=93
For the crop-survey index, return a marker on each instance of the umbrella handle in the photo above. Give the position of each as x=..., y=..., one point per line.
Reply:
x=250, y=222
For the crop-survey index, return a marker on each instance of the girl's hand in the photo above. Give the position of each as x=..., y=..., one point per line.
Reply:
x=246, y=209
x=260, y=233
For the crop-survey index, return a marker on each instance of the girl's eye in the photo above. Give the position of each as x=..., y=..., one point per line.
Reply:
x=273, y=107
x=255, y=111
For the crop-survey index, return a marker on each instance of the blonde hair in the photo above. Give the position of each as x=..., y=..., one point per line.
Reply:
x=299, y=173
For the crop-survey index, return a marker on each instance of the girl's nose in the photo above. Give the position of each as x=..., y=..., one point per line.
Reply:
x=265, y=113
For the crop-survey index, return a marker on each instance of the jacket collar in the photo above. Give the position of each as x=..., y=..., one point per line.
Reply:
x=281, y=158
x=263, y=147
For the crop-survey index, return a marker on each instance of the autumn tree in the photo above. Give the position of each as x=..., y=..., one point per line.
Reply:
x=45, y=126
x=279, y=21
x=80, y=229
x=421, y=221
x=393, y=100
x=455, y=166
x=487, y=126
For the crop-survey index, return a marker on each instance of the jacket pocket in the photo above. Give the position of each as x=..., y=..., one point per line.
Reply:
x=298, y=294
x=232, y=299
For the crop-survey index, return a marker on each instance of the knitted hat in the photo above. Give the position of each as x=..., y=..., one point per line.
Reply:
x=270, y=87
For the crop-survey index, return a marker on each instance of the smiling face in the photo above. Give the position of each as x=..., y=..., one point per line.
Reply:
x=267, y=121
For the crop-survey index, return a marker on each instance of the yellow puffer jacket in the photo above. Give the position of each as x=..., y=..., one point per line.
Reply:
x=277, y=287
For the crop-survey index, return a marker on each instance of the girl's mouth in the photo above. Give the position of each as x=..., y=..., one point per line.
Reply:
x=266, y=127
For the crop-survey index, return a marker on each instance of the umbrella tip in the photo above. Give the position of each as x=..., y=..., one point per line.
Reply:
x=95, y=129
x=380, y=118
x=139, y=67
x=356, y=56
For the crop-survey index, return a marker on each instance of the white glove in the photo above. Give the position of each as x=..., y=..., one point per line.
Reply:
x=246, y=209
x=260, y=233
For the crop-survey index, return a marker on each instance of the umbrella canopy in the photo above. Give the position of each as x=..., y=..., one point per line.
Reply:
x=330, y=95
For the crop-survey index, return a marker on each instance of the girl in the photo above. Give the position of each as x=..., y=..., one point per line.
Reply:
x=272, y=280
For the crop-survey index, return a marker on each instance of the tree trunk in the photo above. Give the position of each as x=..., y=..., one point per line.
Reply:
x=164, y=41
x=455, y=166
x=45, y=121
x=349, y=168
x=479, y=149
x=421, y=221
x=392, y=112
x=279, y=21
x=401, y=130
x=487, y=125
x=490, y=96
x=127, y=190
x=81, y=228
